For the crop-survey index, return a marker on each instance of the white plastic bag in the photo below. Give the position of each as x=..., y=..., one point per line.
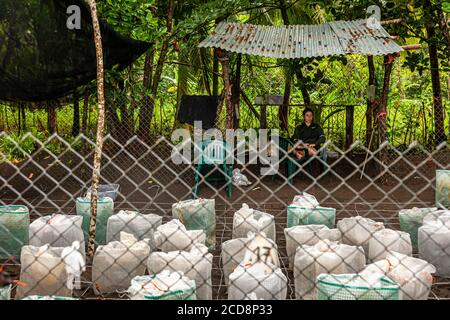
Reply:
x=324, y=257
x=43, y=271
x=266, y=281
x=434, y=241
x=74, y=264
x=411, y=274
x=173, y=236
x=142, y=226
x=246, y=219
x=358, y=231
x=240, y=179
x=305, y=200
x=386, y=240
x=195, y=264
x=163, y=286
x=58, y=230
x=307, y=235
x=116, y=263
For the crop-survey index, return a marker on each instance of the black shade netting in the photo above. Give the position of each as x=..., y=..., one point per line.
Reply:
x=199, y=108
x=42, y=59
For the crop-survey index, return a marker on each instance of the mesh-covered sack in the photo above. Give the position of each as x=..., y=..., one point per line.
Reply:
x=414, y=276
x=324, y=257
x=14, y=223
x=267, y=281
x=116, y=263
x=357, y=231
x=246, y=219
x=141, y=226
x=355, y=287
x=297, y=215
x=58, y=230
x=53, y=298
x=307, y=235
x=163, y=286
x=434, y=241
x=233, y=253
x=443, y=189
x=198, y=214
x=411, y=220
x=105, y=209
x=173, y=236
x=386, y=240
x=43, y=272
x=5, y=292
x=195, y=264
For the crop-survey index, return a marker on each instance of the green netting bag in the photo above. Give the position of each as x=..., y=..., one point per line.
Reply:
x=354, y=287
x=198, y=214
x=443, y=189
x=105, y=209
x=55, y=298
x=411, y=221
x=5, y=293
x=163, y=286
x=14, y=224
x=297, y=215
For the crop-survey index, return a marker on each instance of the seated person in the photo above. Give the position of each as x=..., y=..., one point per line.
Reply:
x=309, y=134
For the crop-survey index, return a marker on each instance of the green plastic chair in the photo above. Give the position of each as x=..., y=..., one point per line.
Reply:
x=292, y=163
x=214, y=155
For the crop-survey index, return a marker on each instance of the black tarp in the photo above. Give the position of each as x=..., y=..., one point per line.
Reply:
x=41, y=59
x=199, y=108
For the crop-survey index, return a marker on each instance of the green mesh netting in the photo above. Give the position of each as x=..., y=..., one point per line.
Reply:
x=105, y=209
x=297, y=215
x=14, y=224
x=339, y=287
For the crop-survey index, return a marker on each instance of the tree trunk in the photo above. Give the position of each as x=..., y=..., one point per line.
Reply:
x=370, y=103
x=100, y=127
x=382, y=110
x=443, y=25
x=150, y=102
x=85, y=113
x=435, y=78
x=303, y=89
x=76, y=116
x=224, y=60
x=51, y=117
x=283, y=112
x=215, y=79
x=236, y=93
x=146, y=109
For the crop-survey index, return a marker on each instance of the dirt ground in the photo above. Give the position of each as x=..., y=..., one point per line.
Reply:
x=150, y=183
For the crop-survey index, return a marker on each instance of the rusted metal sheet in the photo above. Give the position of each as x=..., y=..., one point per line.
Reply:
x=302, y=41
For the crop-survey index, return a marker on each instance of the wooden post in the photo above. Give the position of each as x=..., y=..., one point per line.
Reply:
x=224, y=60
x=349, y=113
x=263, y=116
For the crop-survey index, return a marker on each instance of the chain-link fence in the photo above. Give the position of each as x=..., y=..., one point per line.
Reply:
x=337, y=225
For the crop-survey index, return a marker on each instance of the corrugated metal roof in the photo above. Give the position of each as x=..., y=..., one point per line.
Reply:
x=302, y=41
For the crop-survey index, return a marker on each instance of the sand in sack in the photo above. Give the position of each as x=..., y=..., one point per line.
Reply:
x=307, y=235
x=324, y=257
x=386, y=240
x=234, y=251
x=250, y=220
x=173, y=236
x=43, y=272
x=195, y=264
x=141, y=226
x=57, y=230
x=116, y=263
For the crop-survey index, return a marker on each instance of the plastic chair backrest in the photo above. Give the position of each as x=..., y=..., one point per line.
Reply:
x=214, y=152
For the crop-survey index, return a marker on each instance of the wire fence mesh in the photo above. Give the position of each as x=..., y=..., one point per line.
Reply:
x=324, y=228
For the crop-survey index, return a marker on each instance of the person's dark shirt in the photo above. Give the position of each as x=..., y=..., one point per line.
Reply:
x=312, y=134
